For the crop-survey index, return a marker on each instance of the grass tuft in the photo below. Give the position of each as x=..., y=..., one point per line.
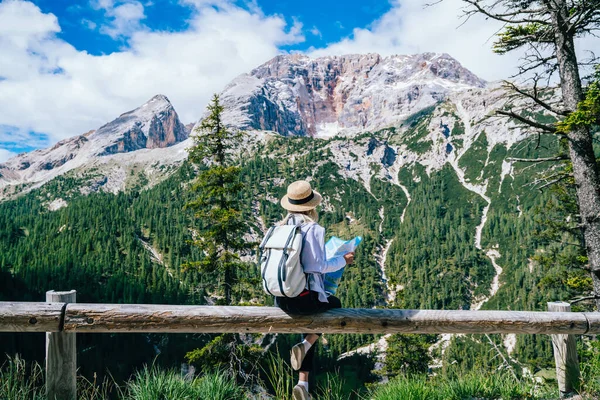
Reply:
x=152, y=383
x=474, y=386
x=18, y=381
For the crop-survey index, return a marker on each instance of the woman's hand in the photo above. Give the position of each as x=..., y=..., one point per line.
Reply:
x=349, y=257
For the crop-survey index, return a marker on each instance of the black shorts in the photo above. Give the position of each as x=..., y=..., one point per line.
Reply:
x=306, y=303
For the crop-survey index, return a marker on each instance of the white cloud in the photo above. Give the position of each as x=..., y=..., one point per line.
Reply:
x=89, y=24
x=105, y=4
x=49, y=86
x=46, y=85
x=124, y=19
x=411, y=27
x=5, y=155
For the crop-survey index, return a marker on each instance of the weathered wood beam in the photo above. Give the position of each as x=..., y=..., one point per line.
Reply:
x=88, y=318
x=30, y=317
x=593, y=322
x=565, y=357
x=83, y=318
x=61, y=355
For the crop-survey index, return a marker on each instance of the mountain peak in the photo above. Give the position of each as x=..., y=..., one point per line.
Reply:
x=155, y=124
x=431, y=65
x=159, y=98
x=295, y=94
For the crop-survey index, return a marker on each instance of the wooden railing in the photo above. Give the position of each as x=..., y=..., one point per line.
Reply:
x=61, y=317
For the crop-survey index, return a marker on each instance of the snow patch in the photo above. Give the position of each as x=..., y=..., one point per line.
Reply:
x=326, y=130
x=57, y=204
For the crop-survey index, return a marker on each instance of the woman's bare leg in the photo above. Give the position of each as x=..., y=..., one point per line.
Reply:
x=311, y=338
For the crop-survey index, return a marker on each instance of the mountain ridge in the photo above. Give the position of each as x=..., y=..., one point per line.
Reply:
x=153, y=125
x=344, y=96
x=298, y=95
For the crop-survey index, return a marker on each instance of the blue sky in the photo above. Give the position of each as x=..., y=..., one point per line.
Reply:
x=70, y=66
x=325, y=21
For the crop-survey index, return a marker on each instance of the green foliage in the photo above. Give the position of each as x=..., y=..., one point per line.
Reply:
x=152, y=383
x=18, y=381
x=332, y=388
x=433, y=254
x=589, y=356
x=564, y=257
x=475, y=385
x=279, y=376
x=587, y=114
x=515, y=36
x=220, y=223
x=226, y=352
x=408, y=354
x=474, y=159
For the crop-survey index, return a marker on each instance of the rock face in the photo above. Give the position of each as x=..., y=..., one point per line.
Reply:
x=154, y=125
x=297, y=95
x=428, y=101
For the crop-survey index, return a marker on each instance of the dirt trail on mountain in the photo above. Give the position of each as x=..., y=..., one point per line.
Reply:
x=390, y=292
x=492, y=254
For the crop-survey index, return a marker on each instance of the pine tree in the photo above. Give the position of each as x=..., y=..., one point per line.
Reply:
x=220, y=224
x=547, y=30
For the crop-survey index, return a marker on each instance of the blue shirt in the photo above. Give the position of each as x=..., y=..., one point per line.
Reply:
x=313, y=257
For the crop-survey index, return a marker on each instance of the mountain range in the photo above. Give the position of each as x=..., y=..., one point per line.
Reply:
x=406, y=150
x=288, y=95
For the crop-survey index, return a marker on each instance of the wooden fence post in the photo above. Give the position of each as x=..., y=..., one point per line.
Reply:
x=565, y=356
x=61, y=355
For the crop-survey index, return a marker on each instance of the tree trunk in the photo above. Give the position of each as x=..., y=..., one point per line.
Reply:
x=581, y=151
x=227, y=287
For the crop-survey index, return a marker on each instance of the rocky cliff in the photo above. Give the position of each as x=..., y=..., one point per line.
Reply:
x=297, y=95
x=154, y=125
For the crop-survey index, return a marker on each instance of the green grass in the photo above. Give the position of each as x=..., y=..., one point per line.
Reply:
x=280, y=377
x=18, y=381
x=152, y=383
x=475, y=386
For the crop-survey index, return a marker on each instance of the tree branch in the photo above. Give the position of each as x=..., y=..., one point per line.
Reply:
x=505, y=17
x=535, y=98
x=533, y=62
x=527, y=121
x=586, y=15
x=533, y=160
x=552, y=182
x=583, y=299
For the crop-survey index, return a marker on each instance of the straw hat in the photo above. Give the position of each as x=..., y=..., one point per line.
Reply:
x=300, y=197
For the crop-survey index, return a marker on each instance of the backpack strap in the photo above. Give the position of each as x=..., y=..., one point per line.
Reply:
x=260, y=254
x=281, y=270
x=262, y=244
x=267, y=237
x=311, y=225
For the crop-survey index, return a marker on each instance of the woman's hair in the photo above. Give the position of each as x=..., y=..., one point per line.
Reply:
x=309, y=216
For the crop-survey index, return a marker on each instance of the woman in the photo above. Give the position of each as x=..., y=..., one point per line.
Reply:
x=301, y=201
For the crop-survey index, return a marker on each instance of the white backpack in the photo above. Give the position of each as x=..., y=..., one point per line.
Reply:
x=280, y=267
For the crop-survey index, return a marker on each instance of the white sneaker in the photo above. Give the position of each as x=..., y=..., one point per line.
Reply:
x=297, y=356
x=300, y=393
